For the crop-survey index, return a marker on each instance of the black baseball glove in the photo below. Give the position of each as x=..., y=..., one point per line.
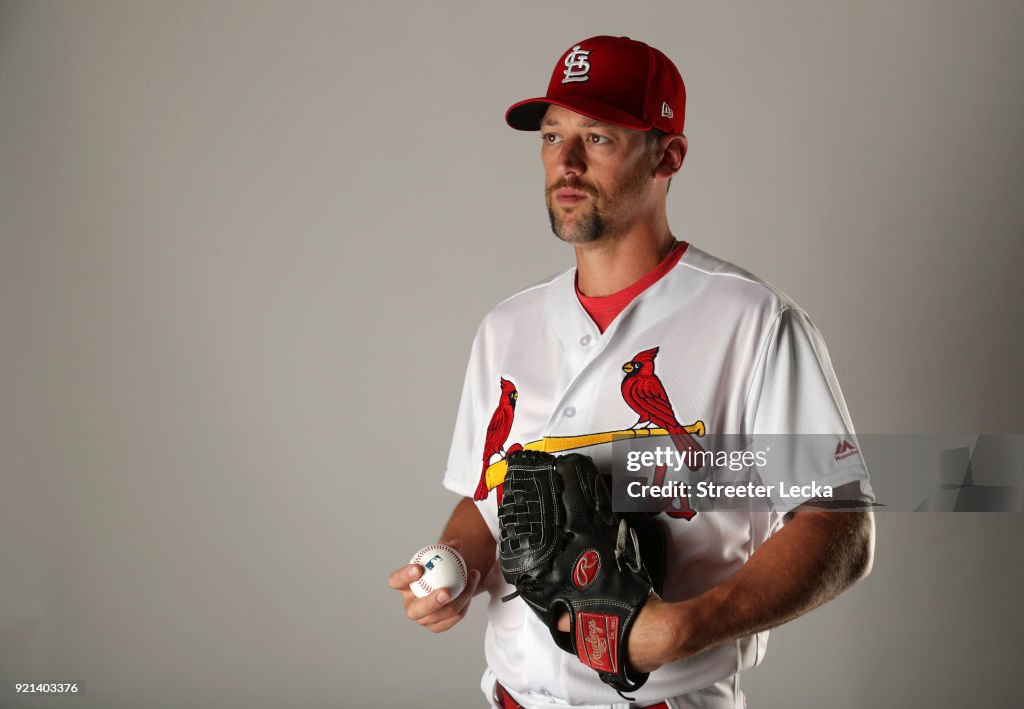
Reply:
x=565, y=550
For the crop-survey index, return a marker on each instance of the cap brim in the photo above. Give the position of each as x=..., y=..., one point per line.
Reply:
x=527, y=115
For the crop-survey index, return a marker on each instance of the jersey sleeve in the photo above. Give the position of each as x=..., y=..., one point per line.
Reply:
x=798, y=413
x=462, y=474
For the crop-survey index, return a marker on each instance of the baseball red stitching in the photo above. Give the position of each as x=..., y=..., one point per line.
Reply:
x=458, y=558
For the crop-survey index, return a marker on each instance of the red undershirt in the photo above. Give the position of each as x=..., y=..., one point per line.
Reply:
x=604, y=309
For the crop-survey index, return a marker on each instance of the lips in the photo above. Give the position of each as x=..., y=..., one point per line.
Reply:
x=567, y=196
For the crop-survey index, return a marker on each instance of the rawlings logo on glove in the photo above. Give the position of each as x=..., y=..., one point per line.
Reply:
x=594, y=640
x=586, y=568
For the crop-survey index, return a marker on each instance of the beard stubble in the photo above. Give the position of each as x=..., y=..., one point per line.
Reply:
x=607, y=214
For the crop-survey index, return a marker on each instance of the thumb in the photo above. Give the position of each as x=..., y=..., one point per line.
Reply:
x=563, y=623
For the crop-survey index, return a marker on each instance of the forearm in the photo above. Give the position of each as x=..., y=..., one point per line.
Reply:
x=478, y=545
x=812, y=559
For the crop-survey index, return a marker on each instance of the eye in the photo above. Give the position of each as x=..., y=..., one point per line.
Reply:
x=550, y=138
x=597, y=139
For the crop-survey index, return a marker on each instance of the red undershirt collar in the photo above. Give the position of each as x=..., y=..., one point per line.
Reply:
x=604, y=309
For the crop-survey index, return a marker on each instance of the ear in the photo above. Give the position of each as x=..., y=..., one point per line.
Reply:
x=673, y=150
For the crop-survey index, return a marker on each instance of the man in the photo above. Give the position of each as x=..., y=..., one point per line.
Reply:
x=709, y=343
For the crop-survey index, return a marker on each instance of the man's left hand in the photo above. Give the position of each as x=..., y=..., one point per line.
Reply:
x=651, y=642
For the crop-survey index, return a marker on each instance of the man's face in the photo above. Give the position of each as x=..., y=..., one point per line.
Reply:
x=598, y=176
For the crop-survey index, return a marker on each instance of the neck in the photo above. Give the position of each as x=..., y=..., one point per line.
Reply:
x=609, y=265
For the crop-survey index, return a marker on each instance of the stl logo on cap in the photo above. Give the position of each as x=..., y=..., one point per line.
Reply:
x=577, y=66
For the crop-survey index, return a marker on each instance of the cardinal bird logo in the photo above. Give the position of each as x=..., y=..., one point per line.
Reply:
x=646, y=395
x=497, y=432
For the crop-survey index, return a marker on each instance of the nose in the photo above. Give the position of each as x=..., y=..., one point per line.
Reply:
x=571, y=158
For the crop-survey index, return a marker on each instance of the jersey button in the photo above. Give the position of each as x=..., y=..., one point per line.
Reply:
x=570, y=411
x=585, y=340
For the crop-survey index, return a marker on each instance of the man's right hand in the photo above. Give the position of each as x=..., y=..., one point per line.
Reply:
x=439, y=611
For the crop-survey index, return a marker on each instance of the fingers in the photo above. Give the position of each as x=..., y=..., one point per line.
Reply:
x=404, y=576
x=563, y=623
x=437, y=612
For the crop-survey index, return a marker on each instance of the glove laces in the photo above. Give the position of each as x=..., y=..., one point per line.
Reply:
x=626, y=535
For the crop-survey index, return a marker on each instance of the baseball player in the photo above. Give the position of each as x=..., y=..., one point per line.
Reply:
x=648, y=334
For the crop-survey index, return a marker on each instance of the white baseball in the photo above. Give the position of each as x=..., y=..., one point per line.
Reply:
x=443, y=567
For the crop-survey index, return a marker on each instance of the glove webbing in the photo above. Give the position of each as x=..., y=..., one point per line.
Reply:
x=520, y=526
x=520, y=522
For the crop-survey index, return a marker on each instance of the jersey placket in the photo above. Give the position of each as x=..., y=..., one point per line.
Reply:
x=583, y=346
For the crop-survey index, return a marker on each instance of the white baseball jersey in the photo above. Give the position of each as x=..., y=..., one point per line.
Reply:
x=733, y=353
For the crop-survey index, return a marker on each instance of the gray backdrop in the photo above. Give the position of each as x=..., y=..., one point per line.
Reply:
x=244, y=248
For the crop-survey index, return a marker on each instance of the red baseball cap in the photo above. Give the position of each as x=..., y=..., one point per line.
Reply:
x=612, y=79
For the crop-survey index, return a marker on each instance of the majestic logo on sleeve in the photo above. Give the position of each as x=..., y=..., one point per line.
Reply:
x=577, y=65
x=497, y=432
x=844, y=449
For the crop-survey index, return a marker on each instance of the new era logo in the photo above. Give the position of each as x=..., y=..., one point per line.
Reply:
x=666, y=112
x=844, y=449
